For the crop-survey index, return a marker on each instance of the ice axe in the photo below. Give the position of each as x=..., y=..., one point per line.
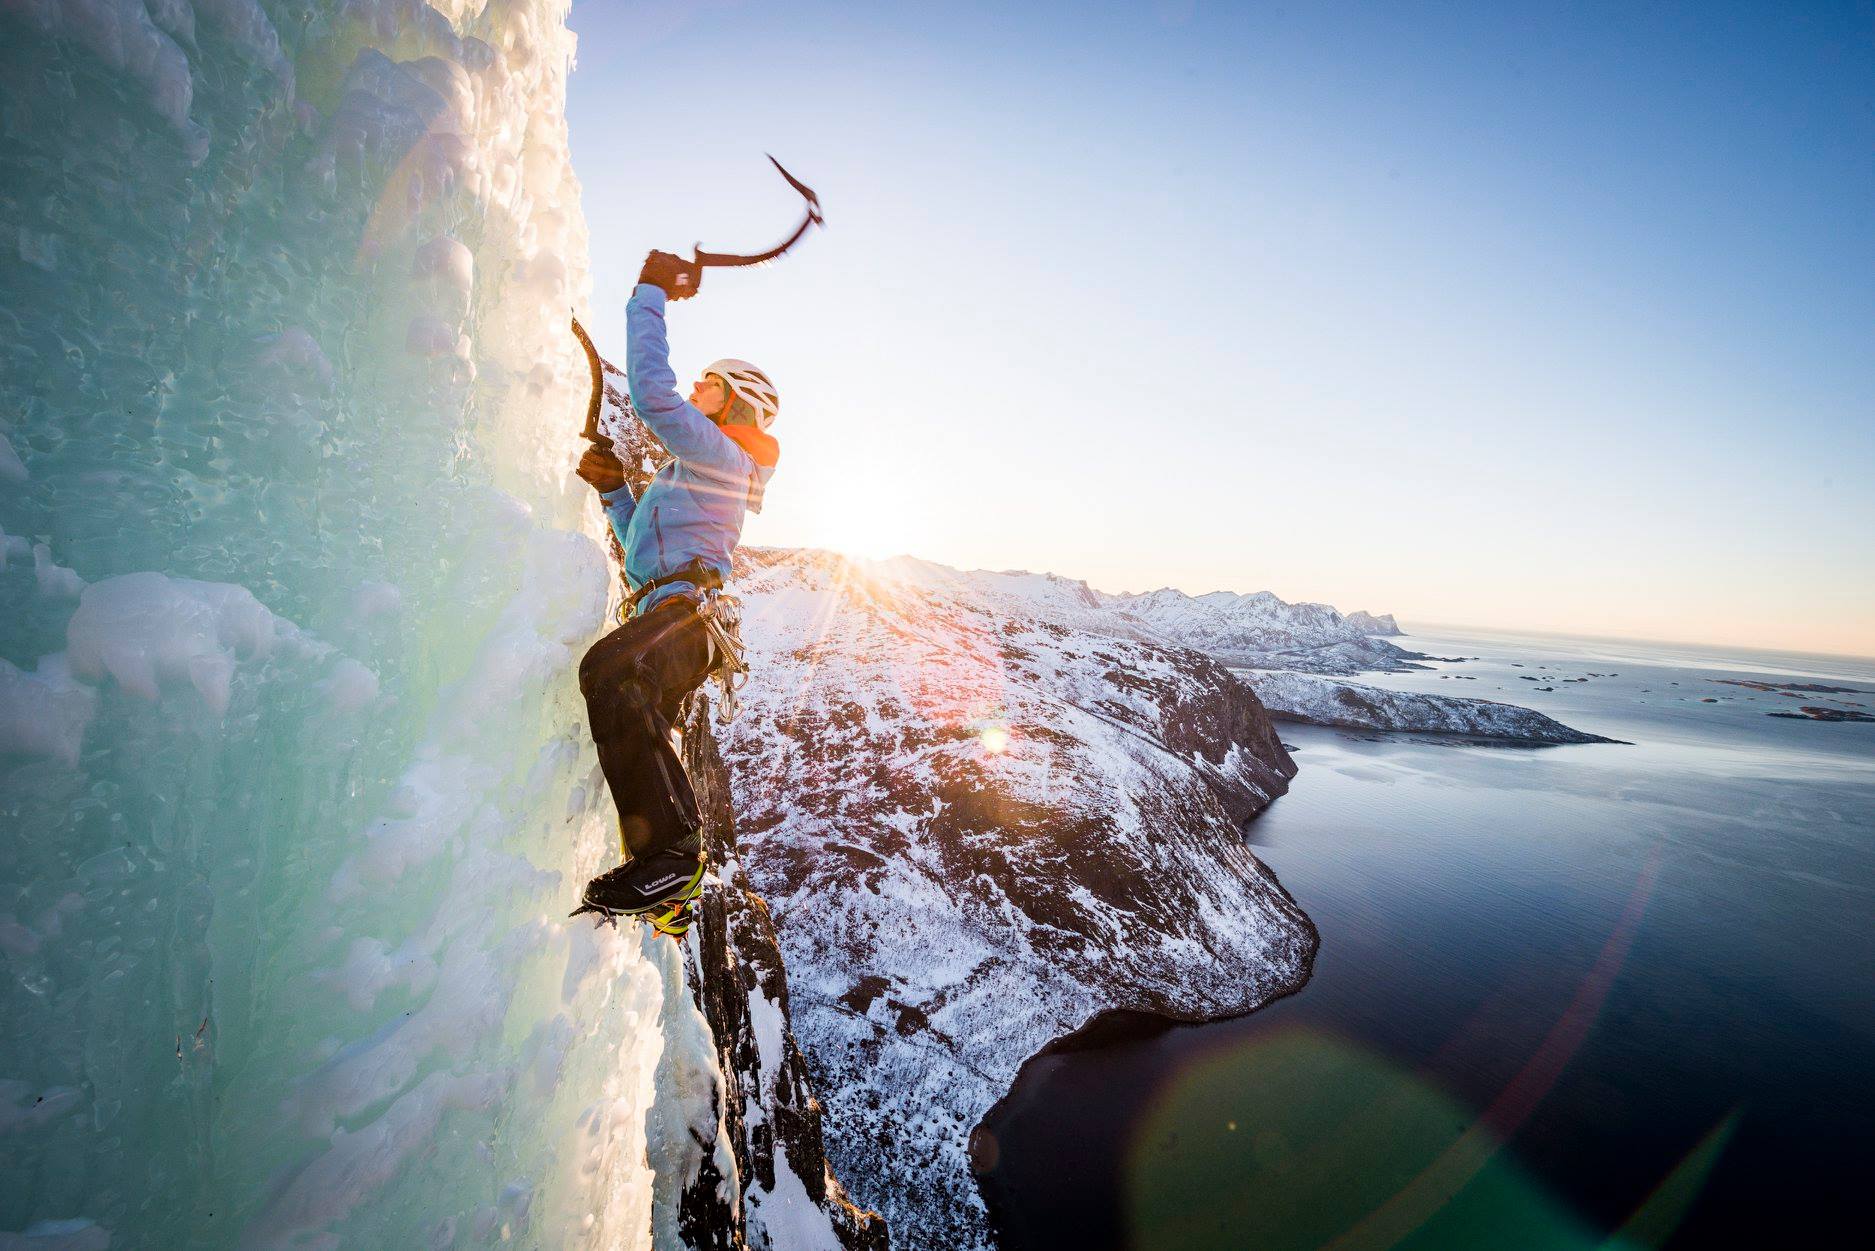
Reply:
x=692, y=276
x=591, y=433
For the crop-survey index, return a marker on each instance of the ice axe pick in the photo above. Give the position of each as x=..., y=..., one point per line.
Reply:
x=701, y=260
x=689, y=278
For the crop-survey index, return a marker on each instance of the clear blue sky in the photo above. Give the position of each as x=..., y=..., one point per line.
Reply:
x=1546, y=316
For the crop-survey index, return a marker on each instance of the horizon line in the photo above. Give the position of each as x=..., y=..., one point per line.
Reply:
x=1541, y=631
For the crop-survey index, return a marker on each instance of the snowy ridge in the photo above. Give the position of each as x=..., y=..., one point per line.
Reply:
x=979, y=827
x=1257, y=630
x=1368, y=623
x=1352, y=705
x=1261, y=631
x=1270, y=643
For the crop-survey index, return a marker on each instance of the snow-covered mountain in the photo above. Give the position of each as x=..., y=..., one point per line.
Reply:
x=1258, y=630
x=1353, y=705
x=1369, y=623
x=1261, y=631
x=980, y=825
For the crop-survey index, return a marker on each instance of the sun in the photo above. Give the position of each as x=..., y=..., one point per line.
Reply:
x=873, y=519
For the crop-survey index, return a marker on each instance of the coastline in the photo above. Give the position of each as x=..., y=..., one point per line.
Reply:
x=1111, y=1026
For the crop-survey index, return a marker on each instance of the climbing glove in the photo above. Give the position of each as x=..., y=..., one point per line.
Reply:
x=601, y=470
x=679, y=278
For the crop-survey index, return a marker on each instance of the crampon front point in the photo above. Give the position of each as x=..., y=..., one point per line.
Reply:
x=656, y=891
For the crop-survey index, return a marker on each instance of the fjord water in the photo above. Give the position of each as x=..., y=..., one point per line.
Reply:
x=1567, y=997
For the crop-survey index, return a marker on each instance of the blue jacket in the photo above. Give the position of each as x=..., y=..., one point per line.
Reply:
x=694, y=506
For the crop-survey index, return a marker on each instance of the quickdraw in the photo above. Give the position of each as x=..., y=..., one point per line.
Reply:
x=721, y=616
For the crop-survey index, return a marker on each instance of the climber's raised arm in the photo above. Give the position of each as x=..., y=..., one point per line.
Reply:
x=679, y=426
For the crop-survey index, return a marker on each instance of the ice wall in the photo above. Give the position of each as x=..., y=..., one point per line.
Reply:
x=294, y=791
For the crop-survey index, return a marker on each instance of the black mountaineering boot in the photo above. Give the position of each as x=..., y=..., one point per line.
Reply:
x=663, y=882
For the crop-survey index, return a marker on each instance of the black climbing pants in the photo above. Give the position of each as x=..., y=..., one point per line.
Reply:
x=635, y=680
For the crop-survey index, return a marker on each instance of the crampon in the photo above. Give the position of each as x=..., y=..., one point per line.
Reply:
x=656, y=891
x=673, y=921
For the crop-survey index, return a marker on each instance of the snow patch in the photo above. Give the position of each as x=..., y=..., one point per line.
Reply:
x=145, y=630
x=44, y=713
x=786, y=1218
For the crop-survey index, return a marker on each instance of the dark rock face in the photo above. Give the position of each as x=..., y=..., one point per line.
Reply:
x=1809, y=713
x=981, y=826
x=772, y=1120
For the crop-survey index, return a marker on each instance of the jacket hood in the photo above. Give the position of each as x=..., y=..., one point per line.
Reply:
x=759, y=444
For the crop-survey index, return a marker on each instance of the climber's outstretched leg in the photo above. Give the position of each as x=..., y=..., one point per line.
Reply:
x=634, y=680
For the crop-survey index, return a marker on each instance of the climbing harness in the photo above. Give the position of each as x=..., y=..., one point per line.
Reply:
x=721, y=616
x=696, y=573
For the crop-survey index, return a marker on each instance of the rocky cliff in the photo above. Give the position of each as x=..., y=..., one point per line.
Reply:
x=981, y=826
x=1370, y=623
x=788, y=1196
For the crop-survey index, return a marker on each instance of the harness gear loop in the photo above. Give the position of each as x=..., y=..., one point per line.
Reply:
x=696, y=573
x=721, y=615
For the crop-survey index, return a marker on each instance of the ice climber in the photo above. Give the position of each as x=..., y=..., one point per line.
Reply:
x=677, y=537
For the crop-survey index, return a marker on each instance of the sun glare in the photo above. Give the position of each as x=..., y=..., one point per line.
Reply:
x=856, y=514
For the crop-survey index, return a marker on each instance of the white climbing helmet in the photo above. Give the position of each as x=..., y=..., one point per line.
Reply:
x=751, y=385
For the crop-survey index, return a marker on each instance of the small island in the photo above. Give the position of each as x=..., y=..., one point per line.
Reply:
x=1352, y=705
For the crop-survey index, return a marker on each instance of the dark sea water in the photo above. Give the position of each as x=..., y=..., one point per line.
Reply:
x=1597, y=996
